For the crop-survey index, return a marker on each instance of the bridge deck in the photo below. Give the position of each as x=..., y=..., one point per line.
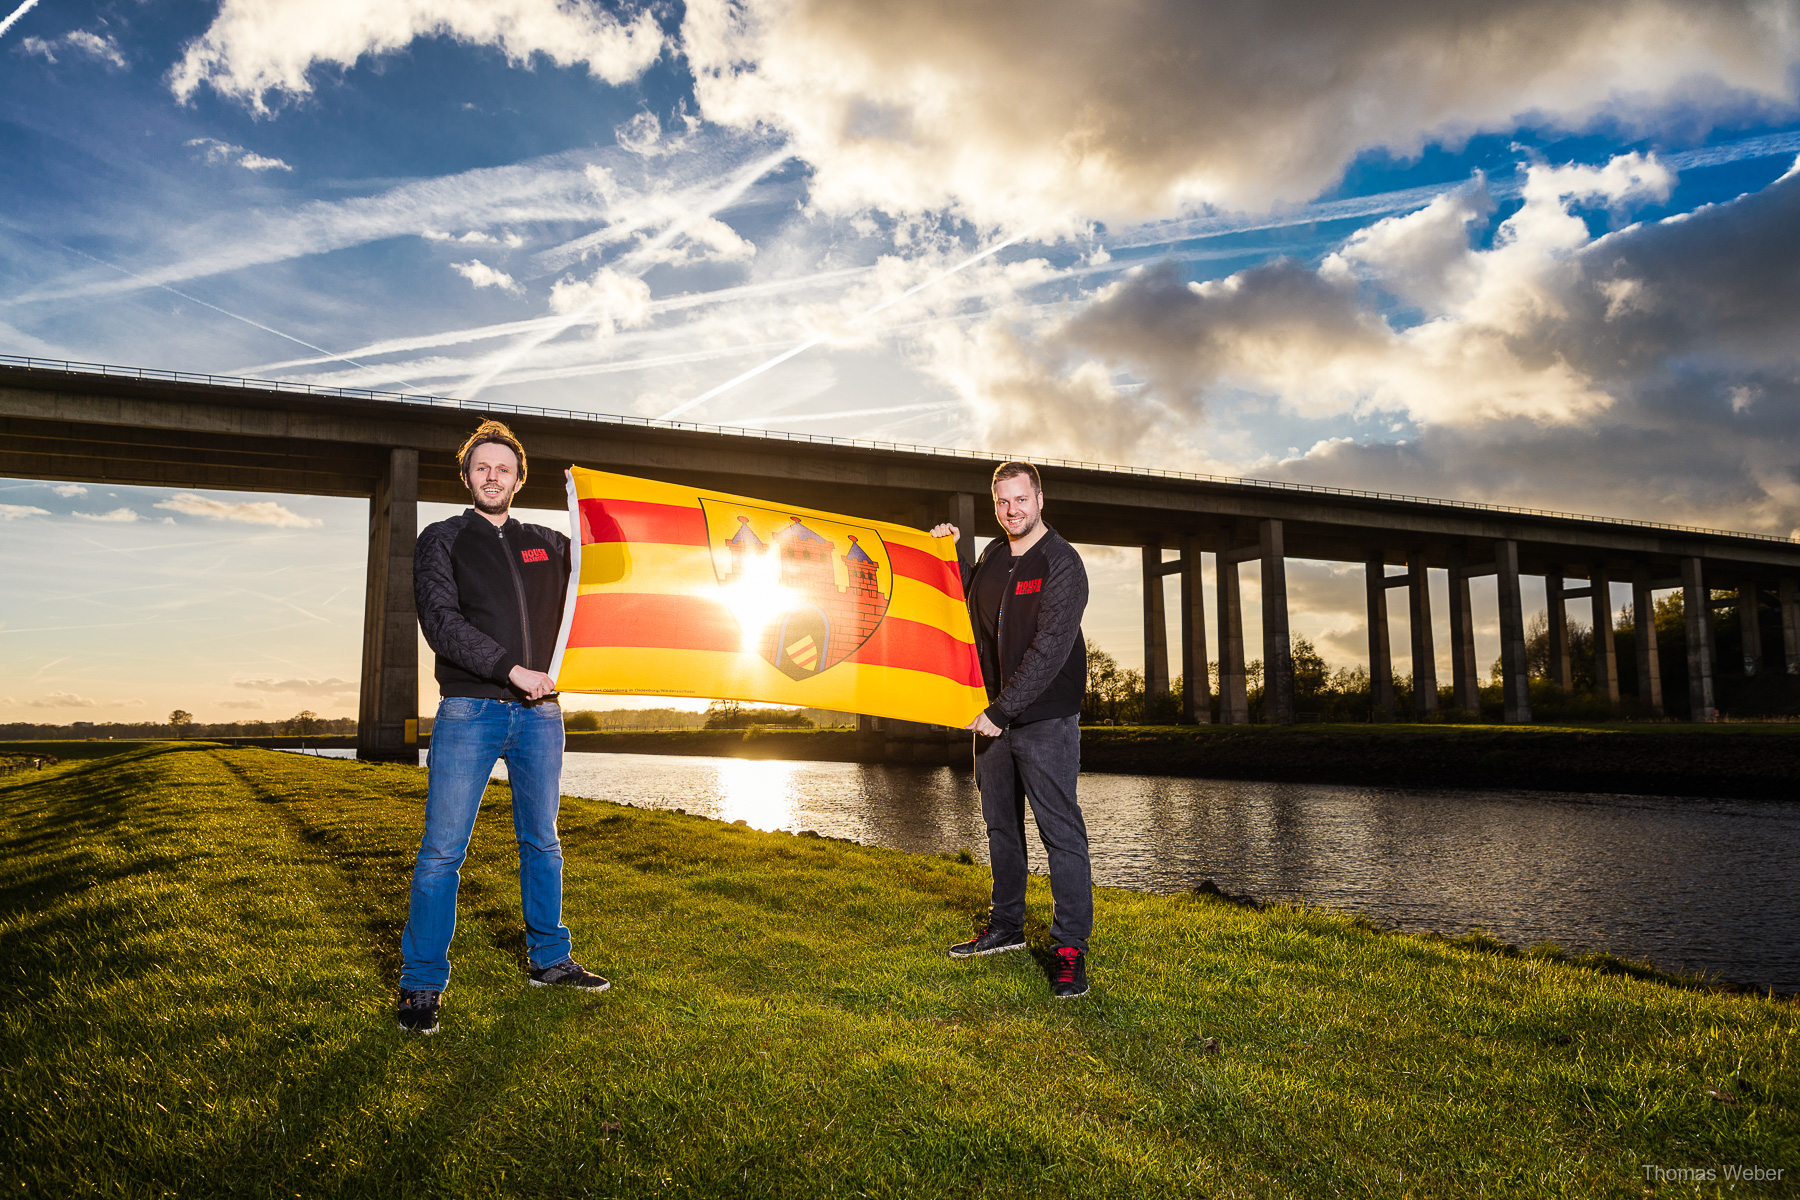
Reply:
x=113, y=425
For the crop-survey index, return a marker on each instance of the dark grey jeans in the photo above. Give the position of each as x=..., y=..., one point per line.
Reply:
x=1038, y=761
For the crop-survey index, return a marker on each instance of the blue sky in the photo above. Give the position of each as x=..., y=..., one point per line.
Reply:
x=1524, y=253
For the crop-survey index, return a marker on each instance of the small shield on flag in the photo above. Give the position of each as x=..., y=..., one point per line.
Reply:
x=807, y=592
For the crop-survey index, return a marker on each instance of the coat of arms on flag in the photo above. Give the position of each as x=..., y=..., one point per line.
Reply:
x=686, y=592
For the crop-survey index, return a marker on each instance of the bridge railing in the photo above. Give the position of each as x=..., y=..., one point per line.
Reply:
x=488, y=406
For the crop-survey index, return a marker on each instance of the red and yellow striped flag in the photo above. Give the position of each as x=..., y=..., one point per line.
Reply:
x=681, y=592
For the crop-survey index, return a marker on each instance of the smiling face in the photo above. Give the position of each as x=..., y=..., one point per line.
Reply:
x=1018, y=506
x=493, y=478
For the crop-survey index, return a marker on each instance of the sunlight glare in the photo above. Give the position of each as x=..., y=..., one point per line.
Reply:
x=761, y=794
x=757, y=598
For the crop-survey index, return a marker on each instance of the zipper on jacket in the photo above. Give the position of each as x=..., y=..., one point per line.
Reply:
x=519, y=591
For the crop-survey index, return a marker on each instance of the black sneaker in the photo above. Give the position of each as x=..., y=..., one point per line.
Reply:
x=568, y=973
x=1068, y=973
x=989, y=941
x=417, y=1012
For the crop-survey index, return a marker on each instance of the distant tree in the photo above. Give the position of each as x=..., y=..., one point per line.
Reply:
x=305, y=723
x=1310, y=673
x=1102, y=681
x=179, y=720
x=725, y=714
x=729, y=714
x=585, y=721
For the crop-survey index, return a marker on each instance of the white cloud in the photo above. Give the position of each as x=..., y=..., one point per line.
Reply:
x=14, y=512
x=68, y=490
x=98, y=46
x=250, y=512
x=63, y=700
x=1650, y=372
x=307, y=687
x=256, y=162
x=484, y=276
x=241, y=705
x=116, y=516
x=258, y=47
x=1488, y=344
x=606, y=300
x=218, y=152
x=644, y=135
x=476, y=237
x=1028, y=111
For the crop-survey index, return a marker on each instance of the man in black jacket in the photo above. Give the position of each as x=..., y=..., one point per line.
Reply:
x=490, y=594
x=1026, y=595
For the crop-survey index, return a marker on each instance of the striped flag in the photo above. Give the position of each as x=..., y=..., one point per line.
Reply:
x=677, y=591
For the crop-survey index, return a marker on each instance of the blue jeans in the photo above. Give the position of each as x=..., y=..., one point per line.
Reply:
x=467, y=738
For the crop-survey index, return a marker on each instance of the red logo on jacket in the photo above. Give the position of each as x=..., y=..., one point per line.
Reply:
x=535, y=555
x=1027, y=586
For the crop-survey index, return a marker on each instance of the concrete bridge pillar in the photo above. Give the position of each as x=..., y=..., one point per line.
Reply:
x=1514, y=677
x=1698, y=602
x=1196, y=689
x=1790, y=624
x=1234, y=702
x=1649, y=662
x=388, y=711
x=1606, y=658
x=1465, y=674
x=1381, y=659
x=1156, y=626
x=962, y=515
x=1278, y=650
x=1750, y=625
x=1424, y=646
x=1556, y=609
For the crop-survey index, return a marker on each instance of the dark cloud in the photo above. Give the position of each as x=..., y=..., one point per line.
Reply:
x=1025, y=109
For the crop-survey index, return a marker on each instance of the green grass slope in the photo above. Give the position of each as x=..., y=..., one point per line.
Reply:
x=198, y=948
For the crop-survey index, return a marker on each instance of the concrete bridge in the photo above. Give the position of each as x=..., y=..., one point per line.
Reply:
x=91, y=424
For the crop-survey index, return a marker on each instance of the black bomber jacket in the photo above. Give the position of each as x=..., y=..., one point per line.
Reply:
x=490, y=598
x=1041, y=667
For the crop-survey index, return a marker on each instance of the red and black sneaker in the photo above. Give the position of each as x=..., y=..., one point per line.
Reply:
x=1068, y=973
x=989, y=941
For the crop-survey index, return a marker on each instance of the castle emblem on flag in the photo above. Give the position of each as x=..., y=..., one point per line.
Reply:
x=806, y=593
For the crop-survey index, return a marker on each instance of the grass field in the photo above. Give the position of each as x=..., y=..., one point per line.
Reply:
x=199, y=955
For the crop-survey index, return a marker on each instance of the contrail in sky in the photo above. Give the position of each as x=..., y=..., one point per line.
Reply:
x=16, y=14
x=234, y=316
x=810, y=342
x=478, y=333
x=635, y=261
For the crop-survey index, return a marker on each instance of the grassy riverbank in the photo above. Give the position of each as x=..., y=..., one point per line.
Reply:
x=199, y=950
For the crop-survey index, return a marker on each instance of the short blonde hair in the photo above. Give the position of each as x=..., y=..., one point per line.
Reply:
x=495, y=434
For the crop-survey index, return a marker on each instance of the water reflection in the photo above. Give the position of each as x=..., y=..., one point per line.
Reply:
x=760, y=794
